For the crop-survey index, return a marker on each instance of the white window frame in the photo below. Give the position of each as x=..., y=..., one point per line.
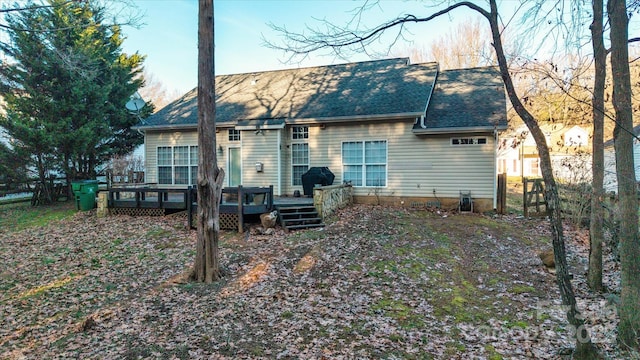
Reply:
x=298, y=165
x=299, y=133
x=299, y=136
x=234, y=135
x=191, y=164
x=468, y=141
x=364, y=164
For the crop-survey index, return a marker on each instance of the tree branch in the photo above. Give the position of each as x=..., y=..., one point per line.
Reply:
x=336, y=38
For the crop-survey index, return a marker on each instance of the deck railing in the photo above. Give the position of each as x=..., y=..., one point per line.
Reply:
x=248, y=201
x=149, y=198
x=238, y=201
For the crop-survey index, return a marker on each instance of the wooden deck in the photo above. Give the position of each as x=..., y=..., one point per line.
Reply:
x=253, y=201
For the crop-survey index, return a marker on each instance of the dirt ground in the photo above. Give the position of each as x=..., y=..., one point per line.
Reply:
x=376, y=282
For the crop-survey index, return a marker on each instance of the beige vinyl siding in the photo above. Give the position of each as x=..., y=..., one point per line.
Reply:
x=416, y=165
x=154, y=139
x=261, y=147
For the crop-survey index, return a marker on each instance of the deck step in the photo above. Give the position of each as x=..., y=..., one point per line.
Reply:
x=287, y=209
x=299, y=217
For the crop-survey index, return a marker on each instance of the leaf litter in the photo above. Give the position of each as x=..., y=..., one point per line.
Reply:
x=376, y=282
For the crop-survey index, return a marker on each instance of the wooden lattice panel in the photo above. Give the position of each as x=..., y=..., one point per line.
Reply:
x=229, y=221
x=136, y=212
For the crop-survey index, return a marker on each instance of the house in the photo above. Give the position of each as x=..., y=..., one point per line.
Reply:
x=569, y=147
x=400, y=133
x=610, y=174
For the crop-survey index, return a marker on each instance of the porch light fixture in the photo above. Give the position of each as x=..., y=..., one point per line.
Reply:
x=220, y=150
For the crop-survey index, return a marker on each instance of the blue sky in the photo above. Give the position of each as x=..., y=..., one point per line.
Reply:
x=169, y=36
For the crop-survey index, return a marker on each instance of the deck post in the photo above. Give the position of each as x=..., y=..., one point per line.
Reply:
x=525, y=189
x=240, y=208
x=189, y=208
x=270, y=201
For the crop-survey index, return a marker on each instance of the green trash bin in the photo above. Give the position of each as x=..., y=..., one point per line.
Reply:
x=85, y=192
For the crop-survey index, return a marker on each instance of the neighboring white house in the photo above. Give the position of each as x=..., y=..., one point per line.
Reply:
x=569, y=147
x=610, y=177
x=398, y=132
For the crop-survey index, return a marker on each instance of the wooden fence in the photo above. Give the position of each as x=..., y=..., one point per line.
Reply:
x=533, y=197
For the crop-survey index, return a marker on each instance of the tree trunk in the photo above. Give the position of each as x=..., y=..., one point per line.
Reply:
x=629, y=310
x=207, y=267
x=596, y=233
x=43, y=178
x=584, y=347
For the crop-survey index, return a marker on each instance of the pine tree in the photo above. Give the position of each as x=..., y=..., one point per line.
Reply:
x=66, y=86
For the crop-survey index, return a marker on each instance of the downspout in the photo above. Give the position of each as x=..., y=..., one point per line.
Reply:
x=144, y=146
x=495, y=169
x=279, y=189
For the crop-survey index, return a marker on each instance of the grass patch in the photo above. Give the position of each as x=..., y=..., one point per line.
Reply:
x=492, y=354
x=399, y=311
x=158, y=233
x=522, y=289
x=20, y=216
x=286, y=315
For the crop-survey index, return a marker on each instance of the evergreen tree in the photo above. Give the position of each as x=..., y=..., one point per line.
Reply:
x=66, y=86
x=12, y=169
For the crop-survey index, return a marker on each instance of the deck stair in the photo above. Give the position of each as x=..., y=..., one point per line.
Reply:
x=299, y=217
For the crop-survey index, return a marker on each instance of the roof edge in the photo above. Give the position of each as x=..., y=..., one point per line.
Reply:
x=451, y=130
x=337, y=119
x=176, y=127
x=322, y=120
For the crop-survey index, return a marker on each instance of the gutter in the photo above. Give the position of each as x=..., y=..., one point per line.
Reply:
x=339, y=119
x=260, y=127
x=319, y=120
x=449, y=130
x=166, y=127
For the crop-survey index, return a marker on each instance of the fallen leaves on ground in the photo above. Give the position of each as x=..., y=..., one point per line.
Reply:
x=376, y=282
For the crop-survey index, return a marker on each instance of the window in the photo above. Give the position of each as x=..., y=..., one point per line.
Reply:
x=364, y=163
x=177, y=165
x=193, y=160
x=164, y=165
x=535, y=167
x=469, y=141
x=300, y=132
x=234, y=135
x=299, y=162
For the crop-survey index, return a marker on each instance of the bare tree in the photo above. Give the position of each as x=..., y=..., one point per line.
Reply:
x=155, y=91
x=629, y=309
x=465, y=47
x=207, y=266
x=340, y=39
x=596, y=233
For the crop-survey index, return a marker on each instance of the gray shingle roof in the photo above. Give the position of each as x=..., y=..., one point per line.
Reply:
x=374, y=89
x=350, y=91
x=466, y=99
